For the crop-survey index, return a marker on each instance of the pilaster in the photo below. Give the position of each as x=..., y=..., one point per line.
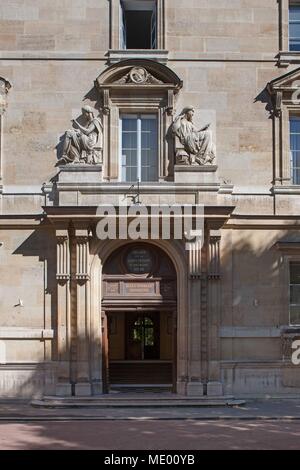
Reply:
x=194, y=385
x=214, y=385
x=63, y=386
x=82, y=281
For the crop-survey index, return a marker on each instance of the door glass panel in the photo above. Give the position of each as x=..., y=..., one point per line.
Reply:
x=143, y=337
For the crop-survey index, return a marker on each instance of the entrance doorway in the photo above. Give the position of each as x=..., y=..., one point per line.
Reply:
x=139, y=319
x=140, y=349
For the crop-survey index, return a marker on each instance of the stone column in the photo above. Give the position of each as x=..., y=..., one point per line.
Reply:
x=214, y=385
x=194, y=385
x=63, y=386
x=83, y=322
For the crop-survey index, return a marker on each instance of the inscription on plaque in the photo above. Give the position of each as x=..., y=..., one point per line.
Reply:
x=112, y=288
x=139, y=261
x=141, y=288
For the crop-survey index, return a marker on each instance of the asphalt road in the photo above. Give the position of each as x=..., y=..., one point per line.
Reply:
x=150, y=435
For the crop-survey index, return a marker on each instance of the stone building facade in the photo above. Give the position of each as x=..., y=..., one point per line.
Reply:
x=139, y=81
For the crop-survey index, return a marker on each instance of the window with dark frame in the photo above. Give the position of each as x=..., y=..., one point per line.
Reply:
x=295, y=293
x=295, y=148
x=138, y=24
x=294, y=26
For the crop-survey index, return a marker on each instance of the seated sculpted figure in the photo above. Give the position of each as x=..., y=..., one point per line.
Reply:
x=82, y=145
x=197, y=144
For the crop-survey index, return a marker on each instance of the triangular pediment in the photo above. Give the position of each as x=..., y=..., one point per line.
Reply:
x=287, y=82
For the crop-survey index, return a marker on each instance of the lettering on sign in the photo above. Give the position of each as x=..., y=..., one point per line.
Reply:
x=112, y=288
x=139, y=261
x=139, y=288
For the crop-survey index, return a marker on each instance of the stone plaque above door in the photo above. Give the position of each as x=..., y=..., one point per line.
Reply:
x=139, y=261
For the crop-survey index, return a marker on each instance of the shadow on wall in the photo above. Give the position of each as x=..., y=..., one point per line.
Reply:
x=26, y=378
x=252, y=269
x=265, y=98
x=257, y=269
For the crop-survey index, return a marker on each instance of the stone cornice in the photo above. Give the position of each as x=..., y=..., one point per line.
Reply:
x=215, y=216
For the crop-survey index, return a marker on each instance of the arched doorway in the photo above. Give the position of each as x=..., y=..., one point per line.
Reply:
x=139, y=318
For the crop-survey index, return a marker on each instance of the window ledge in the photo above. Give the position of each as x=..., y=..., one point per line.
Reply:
x=285, y=58
x=288, y=246
x=292, y=189
x=159, y=55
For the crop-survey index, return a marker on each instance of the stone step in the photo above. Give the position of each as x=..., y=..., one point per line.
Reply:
x=134, y=402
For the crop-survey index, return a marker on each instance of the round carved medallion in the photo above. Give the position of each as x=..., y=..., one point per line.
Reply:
x=138, y=75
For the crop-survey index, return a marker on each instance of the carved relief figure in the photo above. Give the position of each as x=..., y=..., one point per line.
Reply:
x=84, y=144
x=139, y=76
x=197, y=145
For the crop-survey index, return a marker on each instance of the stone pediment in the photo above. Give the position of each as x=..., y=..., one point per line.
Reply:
x=288, y=82
x=285, y=90
x=140, y=73
x=138, y=81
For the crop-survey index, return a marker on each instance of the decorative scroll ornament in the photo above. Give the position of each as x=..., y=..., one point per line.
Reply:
x=193, y=146
x=139, y=76
x=83, y=145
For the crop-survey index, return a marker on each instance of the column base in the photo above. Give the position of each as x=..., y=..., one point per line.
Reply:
x=194, y=389
x=214, y=389
x=97, y=388
x=63, y=390
x=83, y=389
x=181, y=388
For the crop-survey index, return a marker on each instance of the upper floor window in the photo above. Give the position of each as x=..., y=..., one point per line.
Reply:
x=295, y=148
x=294, y=26
x=295, y=293
x=139, y=147
x=138, y=24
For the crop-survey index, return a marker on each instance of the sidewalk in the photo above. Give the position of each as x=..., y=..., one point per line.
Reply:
x=272, y=409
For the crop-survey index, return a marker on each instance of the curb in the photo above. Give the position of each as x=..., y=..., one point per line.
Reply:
x=144, y=419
